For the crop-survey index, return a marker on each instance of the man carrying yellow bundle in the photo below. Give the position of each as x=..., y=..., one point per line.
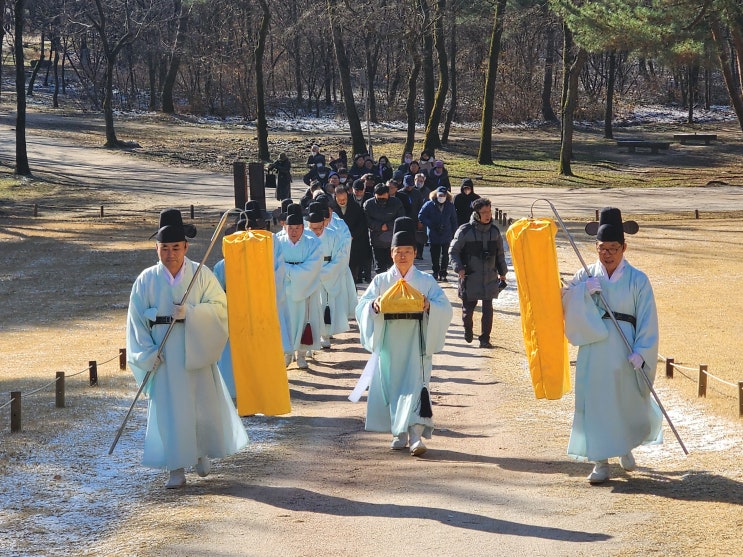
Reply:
x=402, y=333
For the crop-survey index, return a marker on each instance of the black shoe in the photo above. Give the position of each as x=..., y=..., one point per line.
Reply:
x=486, y=344
x=442, y=278
x=468, y=335
x=435, y=274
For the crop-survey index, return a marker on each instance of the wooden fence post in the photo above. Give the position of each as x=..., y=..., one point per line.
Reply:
x=122, y=358
x=702, y=390
x=36, y=209
x=192, y=212
x=740, y=399
x=59, y=390
x=93, y=369
x=696, y=214
x=669, y=368
x=15, y=411
x=101, y=211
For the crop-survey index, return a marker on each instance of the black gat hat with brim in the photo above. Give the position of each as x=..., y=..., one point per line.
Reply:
x=610, y=227
x=171, y=228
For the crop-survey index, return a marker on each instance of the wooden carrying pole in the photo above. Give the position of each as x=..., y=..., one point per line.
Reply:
x=616, y=323
x=147, y=376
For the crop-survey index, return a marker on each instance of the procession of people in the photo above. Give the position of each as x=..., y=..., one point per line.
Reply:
x=348, y=253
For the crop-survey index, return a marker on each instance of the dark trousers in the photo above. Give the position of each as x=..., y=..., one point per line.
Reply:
x=382, y=260
x=468, y=309
x=440, y=258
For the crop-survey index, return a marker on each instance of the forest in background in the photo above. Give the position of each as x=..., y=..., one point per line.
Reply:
x=429, y=62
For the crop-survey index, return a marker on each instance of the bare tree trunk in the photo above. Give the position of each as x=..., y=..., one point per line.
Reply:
x=427, y=60
x=453, y=74
x=568, y=111
x=260, y=94
x=2, y=42
x=549, y=61
x=35, y=71
x=354, y=122
x=735, y=93
x=175, y=60
x=152, y=79
x=432, y=139
x=609, y=110
x=21, y=154
x=410, y=105
x=485, y=155
x=55, y=95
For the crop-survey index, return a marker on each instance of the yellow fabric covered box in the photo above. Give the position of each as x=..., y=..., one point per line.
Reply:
x=401, y=298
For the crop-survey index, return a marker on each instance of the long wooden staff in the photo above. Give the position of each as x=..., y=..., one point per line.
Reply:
x=616, y=323
x=170, y=327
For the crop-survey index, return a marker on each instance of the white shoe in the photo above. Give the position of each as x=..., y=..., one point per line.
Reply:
x=288, y=358
x=203, y=466
x=309, y=354
x=418, y=448
x=627, y=462
x=600, y=472
x=324, y=342
x=399, y=442
x=301, y=361
x=177, y=479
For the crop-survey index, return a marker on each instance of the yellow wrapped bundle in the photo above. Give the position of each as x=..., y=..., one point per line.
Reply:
x=261, y=384
x=534, y=255
x=401, y=298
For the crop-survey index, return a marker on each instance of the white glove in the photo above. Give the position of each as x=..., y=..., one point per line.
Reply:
x=178, y=312
x=157, y=361
x=593, y=285
x=636, y=360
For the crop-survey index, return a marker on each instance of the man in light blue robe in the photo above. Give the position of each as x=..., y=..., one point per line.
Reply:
x=614, y=412
x=190, y=416
x=402, y=349
x=331, y=279
x=302, y=254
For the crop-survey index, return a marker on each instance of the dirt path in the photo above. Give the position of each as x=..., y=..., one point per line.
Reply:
x=496, y=480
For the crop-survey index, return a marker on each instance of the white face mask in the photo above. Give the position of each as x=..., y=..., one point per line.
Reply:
x=408, y=160
x=441, y=198
x=343, y=180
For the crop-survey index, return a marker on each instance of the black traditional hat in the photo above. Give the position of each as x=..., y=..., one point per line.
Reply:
x=285, y=203
x=294, y=219
x=610, y=227
x=294, y=209
x=403, y=232
x=316, y=216
x=315, y=207
x=171, y=228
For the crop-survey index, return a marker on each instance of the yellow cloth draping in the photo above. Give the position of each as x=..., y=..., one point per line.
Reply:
x=261, y=383
x=534, y=256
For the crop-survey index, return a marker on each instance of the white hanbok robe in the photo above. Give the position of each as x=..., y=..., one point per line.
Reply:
x=190, y=413
x=614, y=412
x=302, y=265
x=393, y=403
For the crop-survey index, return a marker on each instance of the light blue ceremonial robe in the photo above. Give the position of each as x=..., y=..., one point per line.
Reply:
x=190, y=413
x=302, y=265
x=349, y=284
x=225, y=360
x=332, y=283
x=614, y=412
x=393, y=403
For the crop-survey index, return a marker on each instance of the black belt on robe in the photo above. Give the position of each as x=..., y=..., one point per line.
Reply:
x=417, y=316
x=327, y=258
x=622, y=317
x=294, y=262
x=164, y=320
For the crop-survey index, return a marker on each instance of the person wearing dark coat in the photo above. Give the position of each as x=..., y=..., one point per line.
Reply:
x=381, y=212
x=438, y=176
x=415, y=200
x=319, y=172
x=340, y=162
x=463, y=201
x=357, y=170
x=440, y=217
x=358, y=193
x=282, y=166
x=353, y=215
x=315, y=157
x=383, y=169
x=478, y=257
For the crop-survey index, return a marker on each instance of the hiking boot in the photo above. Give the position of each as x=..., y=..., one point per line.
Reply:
x=486, y=344
x=468, y=335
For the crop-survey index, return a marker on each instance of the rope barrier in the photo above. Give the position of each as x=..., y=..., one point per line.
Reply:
x=7, y=403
